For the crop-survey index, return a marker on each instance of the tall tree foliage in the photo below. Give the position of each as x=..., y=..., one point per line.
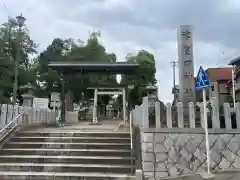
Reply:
x=12, y=40
x=145, y=75
x=36, y=71
x=72, y=50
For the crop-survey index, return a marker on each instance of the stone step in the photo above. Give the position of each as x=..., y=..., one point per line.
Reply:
x=71, y=139
x=62, y=145
x=66, y=159
x=13, y=175
x=56, y=167
x=72, y=133
x=70, y=152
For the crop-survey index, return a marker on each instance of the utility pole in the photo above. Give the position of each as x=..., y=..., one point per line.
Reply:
x=20, y=21
x=174, y=64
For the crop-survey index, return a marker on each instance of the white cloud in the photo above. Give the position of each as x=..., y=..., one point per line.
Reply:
x=129, y=25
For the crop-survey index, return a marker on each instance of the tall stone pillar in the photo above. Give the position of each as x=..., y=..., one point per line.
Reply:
x=186, y=68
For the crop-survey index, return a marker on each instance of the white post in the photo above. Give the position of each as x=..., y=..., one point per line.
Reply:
x=145, y=116
x=215, y=113
x=201, y=105
x=206, y=129
x=192, y=115
x=140, y=114
x=169, y=115
x=238, y=115
x=180, y=115
x=233, y=87
x=157, y=115
x=124, y=104
x=227, y=115
x=95, y=120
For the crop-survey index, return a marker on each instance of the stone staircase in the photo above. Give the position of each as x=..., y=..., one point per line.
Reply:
x=67, y=154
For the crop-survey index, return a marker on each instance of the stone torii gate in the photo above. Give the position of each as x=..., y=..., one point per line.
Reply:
x=68, y=67
x=108, y=90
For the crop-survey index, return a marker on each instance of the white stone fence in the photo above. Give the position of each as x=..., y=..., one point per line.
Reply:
x=31, y=116
x=140, y=115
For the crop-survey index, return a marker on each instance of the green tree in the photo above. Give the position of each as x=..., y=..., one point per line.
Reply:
x=18, y=40
x=145, y=75
x=74, y=50
x=6, y=73
x=11, y=40
x=48, y=77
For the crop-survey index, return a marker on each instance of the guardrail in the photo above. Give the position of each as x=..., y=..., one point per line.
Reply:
x=10, y=127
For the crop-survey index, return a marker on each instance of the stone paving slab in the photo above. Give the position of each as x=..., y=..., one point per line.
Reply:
x=104, y=126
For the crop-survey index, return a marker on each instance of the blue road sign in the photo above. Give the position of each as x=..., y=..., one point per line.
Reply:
x=201, y=81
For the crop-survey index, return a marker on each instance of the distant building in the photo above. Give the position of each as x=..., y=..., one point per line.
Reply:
x=219, y=78
x=220, y=86
x=237, y=84
x=236, y=64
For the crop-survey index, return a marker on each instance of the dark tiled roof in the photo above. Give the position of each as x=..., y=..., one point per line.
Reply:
x=235, y=62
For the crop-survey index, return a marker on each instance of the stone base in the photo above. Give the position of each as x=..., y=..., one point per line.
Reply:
x=71, y=117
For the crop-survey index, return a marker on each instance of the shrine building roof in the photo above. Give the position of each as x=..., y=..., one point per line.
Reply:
x=94, y=67
x=235, y=62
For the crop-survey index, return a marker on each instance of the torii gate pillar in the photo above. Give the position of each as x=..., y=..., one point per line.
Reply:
x=124, y=105
x=95, y=120
x=96, y=93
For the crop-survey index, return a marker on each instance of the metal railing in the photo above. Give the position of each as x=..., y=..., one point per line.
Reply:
x=7, y=129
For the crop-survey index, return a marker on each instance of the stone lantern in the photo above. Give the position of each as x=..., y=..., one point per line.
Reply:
x=55, y=100
x=28, y=94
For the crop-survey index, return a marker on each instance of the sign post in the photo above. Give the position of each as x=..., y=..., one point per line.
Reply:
x=202, y=83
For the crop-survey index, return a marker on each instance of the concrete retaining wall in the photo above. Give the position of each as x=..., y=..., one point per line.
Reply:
x=176, y=151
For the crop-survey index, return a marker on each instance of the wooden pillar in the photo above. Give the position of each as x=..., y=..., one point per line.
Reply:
x=124, y=104
x=157, y=115
x=62, y=95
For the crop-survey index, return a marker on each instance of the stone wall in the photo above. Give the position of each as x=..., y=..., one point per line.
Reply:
x=176, y=151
